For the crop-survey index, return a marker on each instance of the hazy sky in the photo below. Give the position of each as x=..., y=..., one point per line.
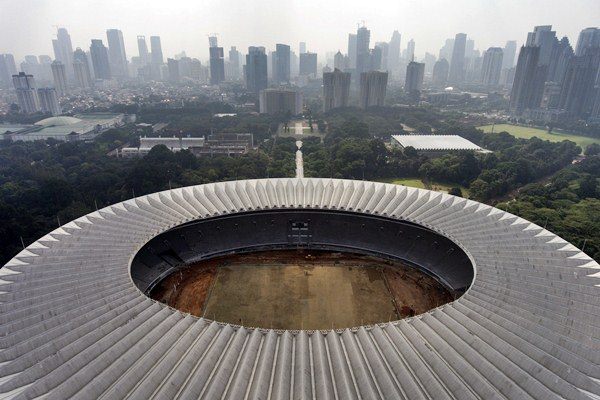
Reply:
x=27, y=26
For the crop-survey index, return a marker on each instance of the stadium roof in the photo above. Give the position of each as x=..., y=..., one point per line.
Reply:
x=73, y=324
x=436, y=142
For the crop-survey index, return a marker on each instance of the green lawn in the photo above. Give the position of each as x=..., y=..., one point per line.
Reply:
x=528, y=132
x=412, y=182
x=418, y=183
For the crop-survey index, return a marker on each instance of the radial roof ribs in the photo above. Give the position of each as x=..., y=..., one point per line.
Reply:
x=73, y=323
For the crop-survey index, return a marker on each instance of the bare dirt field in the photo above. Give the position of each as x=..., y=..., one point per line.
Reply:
x=301, y=290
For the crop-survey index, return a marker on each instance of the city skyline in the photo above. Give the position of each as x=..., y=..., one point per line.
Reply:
x=272, y=22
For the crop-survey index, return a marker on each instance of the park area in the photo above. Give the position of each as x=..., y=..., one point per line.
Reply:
x=431, y=185
x=527, y=132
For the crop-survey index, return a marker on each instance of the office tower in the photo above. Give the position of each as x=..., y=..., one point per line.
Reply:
x=60, y=77
x=352, y=50
x=446, y=50
x=363, y=36
x=27, y=95
x=588, y=38
x=561, y=56
x=523, y=94
x=100, y=60
x=81, y=66
x=302, y=47
x=456, y=75
x=294, y=65
x=440, y=72
x=470, y=49
x=256, y=69
x=173, y=66
x=45, y=69
x=63, y=50
x=156, y=48
x=196, y=70
x=213, y=41
x=217, y=65
x=143, y=50
x=49, y=101
x=336, y=89
x=30, y=65
x=509, y=53
x=394, y=52
x=414, y=79
x=384, y=49
x=409, y=54
x=578, y=89
x=429, y=60
x=373, y=85
x=550, y=96
x=281, y=69
x=116, y=53
x=339, y=61
x=375, y=58
x=545, y=38
x=234, y=62
x=5, y=75
x=185, y=67
x=280, y=101
x=492, y=66
x=308, y=64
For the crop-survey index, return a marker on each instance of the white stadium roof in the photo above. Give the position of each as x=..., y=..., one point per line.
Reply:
x=73, y=323
x=436, y=142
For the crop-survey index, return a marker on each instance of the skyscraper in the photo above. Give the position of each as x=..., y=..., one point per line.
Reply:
x=173, y=67
x=394, y=52
x=376, y=59
x=100, y=61
x=352, y=50
x=234, y=62
x=49, y=101
x=7, y=69
x=83, y=74
x=116, y=53
x=256, y=69
x=561, y=56
x=340, y=61
x=524, y=89
x=281, y=70
x=588, y=38
x=156, y=58
x=363, y=37
x=308, y=64
x=217, y=65
x=63, y=50
x=492, y=66
x=60, y=78
x=336, y=89
x=280, y=101
x=409, y=55
x=373, y=85
x=143, y=50
x=302, y=47
x=508, y=54
x=440, y=72
x=414, y=79
x=156, y=48
x=456, y=75
x=27, y=95
x=578, y=90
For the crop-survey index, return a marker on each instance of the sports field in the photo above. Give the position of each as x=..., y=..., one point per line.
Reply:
x=301, y=290
x=526, y=132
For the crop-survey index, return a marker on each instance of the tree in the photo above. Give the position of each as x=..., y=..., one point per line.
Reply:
x=592, y=149
x=455, y=191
